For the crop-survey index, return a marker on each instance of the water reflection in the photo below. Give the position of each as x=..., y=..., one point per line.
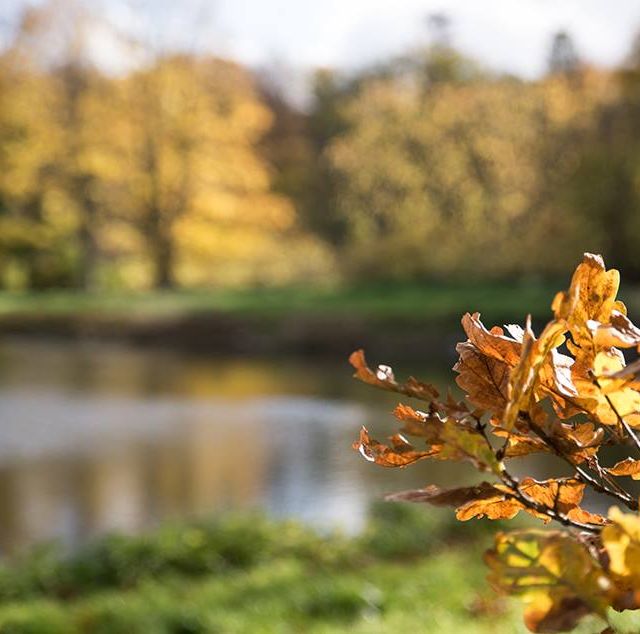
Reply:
x=99, y=437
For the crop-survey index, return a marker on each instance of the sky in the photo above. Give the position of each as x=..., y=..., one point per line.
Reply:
x=507, y=35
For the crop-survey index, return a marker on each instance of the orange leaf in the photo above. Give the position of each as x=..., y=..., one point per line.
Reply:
x=400, y=454
x=627, y=467
x=384, y=378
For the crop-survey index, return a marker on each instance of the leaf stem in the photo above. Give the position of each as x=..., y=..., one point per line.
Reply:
x=585, y=476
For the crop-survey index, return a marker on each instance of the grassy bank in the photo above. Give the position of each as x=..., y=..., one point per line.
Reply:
x=411, y=571
x=401, y=322
x=418, y=301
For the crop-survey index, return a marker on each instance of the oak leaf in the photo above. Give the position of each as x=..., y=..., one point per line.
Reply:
x=384, y=378
x=591, y=297
x=484, y=379
x=399, y=454
x=556, y=576
x=626, y=467
x=497, y=501
x=482, y=500
x=621, y=539
x=525, y=376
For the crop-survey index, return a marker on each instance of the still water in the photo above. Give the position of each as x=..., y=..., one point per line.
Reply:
x=101, y=437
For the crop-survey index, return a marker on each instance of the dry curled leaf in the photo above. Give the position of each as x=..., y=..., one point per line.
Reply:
x=626, y=467
x=497, y=501
x=399, y=454
x=384, y=378
x=484, y=379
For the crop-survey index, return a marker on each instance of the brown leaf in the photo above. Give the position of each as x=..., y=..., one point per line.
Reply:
x=400, y=454
x=384, y=378
x=491, y=343
x=518, y=444
x=479, y=501
x=626, y=467
x=497, y=501
x=561, y=494
x=436, y=496
x=420, y=424
x=459, y=442
x=579, y=441
x=621, y=539
x=484, y=379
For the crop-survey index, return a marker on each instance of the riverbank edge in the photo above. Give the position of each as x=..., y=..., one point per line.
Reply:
x=328, y=336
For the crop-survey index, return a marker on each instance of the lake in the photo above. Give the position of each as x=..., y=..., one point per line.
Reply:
x=101, y=437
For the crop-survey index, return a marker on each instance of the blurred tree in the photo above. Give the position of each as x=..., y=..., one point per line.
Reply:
x=564, y=56
x=54, y=171
x=433, y=184
x=197, y=186
x=605, y=190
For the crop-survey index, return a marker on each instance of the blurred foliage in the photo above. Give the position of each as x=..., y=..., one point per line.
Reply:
x=149, y=178
x=466, y=178
x=188, y=170
x=247, y=574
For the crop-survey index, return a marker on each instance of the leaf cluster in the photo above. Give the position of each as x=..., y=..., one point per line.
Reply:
x=567, y=392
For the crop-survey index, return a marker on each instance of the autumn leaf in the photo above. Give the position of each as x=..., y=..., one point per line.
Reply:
x=400, y=454
x=491, y=343
x=626, y=467
x=614, y=397
x=525, y=375
x=618, y=332
x=500, y=374
x=458, y=442
x=518, y=445
x=384, y=378
x=579, y=441
x=591, y=297
x=621, y=539
x=497, y=501
x=450, y=439
x=483, y=500
x=484, y=379
x=558, y=579
x=423, y=425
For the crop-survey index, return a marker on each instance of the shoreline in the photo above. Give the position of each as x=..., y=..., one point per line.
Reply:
x=294, y=335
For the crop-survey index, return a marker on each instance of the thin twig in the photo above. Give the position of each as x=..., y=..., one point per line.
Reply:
x=620, y=418
x=513, y=483
x=585, y=476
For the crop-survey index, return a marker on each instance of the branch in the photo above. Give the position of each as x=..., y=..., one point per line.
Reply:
x=553, y=514
x=585, y=476
x=513, y=483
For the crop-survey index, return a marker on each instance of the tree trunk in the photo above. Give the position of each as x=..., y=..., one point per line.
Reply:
x=87, y=241
x=162, y=251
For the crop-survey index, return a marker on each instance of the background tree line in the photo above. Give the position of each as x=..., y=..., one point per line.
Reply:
x=190, y=170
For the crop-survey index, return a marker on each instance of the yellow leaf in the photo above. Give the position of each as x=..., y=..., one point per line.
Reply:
x=558, y=579
x=621, y=539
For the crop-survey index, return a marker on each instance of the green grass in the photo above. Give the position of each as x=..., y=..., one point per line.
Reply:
x=417, y=301
x=414, y=302
x=412, y=570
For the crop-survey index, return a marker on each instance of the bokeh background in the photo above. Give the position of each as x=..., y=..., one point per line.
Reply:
x=205, y=206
